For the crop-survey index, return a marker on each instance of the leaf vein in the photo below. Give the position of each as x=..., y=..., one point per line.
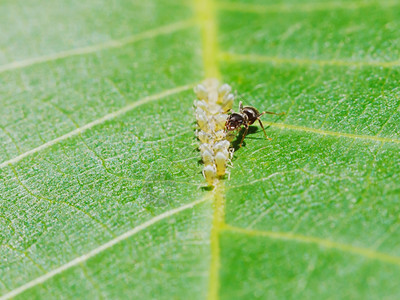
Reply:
x=325, y=243
x=163, y=30
x=206, y=15
x=27, y=256
x=334, y=133
x=7, y=133
x=304, y=7
x=102, y=248
x=52, y=201
x=235, y=57
x=97, y=122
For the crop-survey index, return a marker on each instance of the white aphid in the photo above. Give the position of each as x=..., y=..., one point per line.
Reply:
x=206, y=147
x=210, y=174
x=227, y=102
x=208, y=157
x=220, y=121
x=204, y=137
x=201, y=91
x=221, y=145
x=201, y=104
x=220, y=161
x=213, y=109
x=202, y=120
x=224, y=89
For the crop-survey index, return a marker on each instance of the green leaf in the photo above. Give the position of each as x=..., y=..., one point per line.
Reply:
x=100, y=182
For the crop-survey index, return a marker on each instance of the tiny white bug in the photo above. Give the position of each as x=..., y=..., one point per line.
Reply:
x=204, y=137
x=210, y=174
x=220, y=161
x=220, y=121
x=208, y=157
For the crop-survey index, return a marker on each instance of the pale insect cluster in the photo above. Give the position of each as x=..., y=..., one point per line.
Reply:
x=214, y=101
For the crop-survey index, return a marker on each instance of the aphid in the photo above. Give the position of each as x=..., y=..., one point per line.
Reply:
x=246, y=116
x=220, y=120
x=220, y=161
x=221, y=145
x=210, y=174
x=208, y=157
x=204, y=137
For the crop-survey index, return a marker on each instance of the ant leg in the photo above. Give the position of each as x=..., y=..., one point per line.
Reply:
x=262, y=126
x=243, y=136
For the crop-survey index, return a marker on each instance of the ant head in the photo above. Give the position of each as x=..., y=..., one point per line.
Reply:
x=234, y=121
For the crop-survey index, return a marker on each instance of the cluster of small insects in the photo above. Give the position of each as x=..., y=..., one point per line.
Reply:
x=213, y=103
x=217, y=124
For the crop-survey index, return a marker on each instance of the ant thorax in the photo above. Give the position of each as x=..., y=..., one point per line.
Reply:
x=251, y=113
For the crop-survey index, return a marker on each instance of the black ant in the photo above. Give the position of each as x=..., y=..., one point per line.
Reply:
x=246, y=116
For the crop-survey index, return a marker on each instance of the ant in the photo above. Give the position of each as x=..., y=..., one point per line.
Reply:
x=246, y=116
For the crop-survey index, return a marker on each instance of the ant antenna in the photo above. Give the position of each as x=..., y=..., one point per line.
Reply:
x=240, y=96
x=271, y=113
x=241, y=103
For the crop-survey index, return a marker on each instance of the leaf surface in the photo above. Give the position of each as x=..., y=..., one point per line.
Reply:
x=100, y=179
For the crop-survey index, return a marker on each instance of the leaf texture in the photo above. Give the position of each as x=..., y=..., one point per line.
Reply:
x=100, y=182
